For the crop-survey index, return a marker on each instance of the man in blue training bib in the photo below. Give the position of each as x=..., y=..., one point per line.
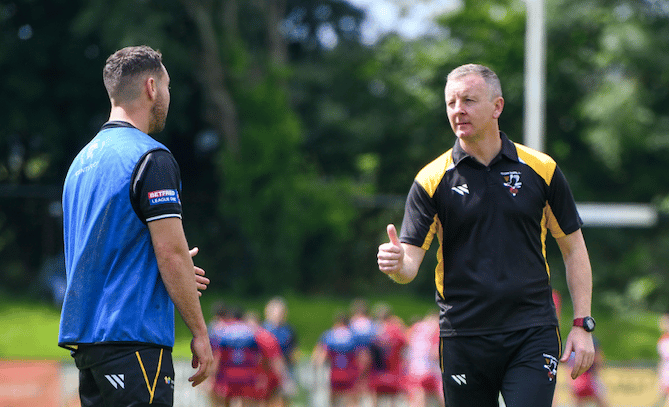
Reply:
x=126, y=254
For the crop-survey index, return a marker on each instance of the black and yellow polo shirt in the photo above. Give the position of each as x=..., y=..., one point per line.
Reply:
x=491, y=222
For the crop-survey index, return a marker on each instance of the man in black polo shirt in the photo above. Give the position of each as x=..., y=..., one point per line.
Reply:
x=491, y=203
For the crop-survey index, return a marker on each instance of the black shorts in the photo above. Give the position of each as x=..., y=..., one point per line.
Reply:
x=125, y=375
x=522, y=365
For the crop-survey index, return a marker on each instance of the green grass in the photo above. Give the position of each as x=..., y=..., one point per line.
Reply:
x=29, y=330
x=629, y=337
x=624, y=337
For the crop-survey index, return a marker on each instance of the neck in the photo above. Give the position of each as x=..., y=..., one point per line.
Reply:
x=484, y=150
x=119, y=113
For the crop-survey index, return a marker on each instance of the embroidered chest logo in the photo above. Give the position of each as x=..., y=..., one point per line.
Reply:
x=512, y=181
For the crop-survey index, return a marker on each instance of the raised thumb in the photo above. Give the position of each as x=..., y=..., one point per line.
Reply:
x=392, y=235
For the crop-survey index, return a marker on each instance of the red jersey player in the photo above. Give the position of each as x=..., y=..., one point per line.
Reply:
x=248, y=358
x=386, y=374
x=423, y=378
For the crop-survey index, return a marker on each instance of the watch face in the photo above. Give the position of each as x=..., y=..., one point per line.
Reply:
x=589, y=324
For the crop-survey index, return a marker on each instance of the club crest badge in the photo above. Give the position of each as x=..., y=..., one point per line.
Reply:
x=512, y=181
x=551, y=365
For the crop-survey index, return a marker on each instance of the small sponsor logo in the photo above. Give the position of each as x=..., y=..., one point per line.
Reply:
x=461, y=189
x=169, y=381
x=551, y=365
x=460, y=379
x=116, y=380
x=163, y=196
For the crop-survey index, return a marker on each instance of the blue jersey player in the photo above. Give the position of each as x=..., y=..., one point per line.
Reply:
x=126, y=255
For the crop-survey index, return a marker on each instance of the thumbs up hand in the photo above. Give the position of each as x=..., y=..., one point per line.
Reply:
x=391, y=255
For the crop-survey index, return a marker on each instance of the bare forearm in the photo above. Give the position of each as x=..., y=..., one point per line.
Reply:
x=579, y=281
x=578, y=272
x=177, y=273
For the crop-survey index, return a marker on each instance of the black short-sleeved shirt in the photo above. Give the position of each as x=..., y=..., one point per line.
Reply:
x=155, y=190
x=491, y=221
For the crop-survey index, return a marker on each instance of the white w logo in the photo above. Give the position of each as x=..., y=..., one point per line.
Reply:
x=461, y=189
x=459, y=379
x=116, y=380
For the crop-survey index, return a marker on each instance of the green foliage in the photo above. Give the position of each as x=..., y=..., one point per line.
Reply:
x=629, y=334
x=285, y=212
x=330, y=137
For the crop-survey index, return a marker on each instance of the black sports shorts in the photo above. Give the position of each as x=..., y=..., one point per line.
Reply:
x=125, y=375
x=522, y=365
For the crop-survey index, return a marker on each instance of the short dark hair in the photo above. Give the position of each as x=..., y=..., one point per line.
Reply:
x=488, y=75
x=126, y=64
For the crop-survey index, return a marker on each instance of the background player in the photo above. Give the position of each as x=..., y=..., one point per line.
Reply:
x=423, y=375
x=386, y=379
x=339, y=348
x=663, y=352
x=247, y=359
x=276, y=322
x=364, y=328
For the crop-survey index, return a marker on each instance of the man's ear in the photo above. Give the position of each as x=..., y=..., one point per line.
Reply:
x=151, y=87
x=499, y=106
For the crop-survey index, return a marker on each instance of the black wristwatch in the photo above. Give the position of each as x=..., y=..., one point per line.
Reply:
x=587, y=323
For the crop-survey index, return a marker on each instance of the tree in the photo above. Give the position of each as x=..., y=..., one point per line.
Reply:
x=608, y=123
x=47, y=106
x=298, y=143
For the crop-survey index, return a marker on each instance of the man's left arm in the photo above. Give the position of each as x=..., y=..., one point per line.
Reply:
x=579, y=281
x=176, y=270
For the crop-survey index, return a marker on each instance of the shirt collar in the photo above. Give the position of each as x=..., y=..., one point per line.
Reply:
x=116, y=123
x=508, y=151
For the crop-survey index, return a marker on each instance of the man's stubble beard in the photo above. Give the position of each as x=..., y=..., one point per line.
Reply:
x=158, y=117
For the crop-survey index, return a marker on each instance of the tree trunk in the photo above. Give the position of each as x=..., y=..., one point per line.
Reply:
x=223, y=112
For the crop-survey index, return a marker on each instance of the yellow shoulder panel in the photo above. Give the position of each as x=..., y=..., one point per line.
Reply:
x=541, y=163
x=430, y=176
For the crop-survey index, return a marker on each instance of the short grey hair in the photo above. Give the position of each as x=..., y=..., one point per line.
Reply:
x=484, y=72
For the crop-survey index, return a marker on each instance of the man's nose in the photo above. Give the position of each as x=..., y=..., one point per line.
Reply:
x=458, y=107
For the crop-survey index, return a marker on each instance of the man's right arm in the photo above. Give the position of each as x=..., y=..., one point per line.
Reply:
x=399, y=261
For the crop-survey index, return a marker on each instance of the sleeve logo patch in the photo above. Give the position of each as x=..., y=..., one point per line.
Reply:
x=164, y=196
